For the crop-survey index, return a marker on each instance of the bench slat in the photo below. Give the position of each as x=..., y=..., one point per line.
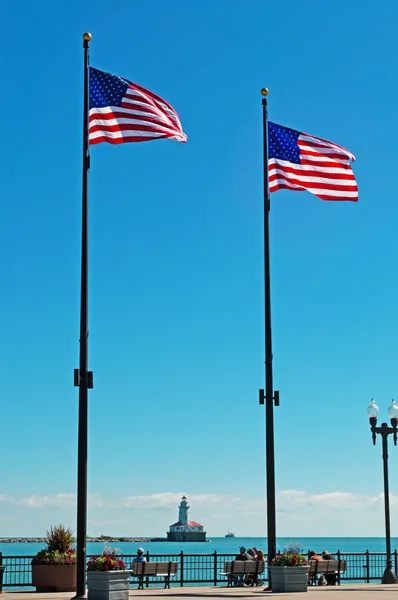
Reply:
x=154, y=569
x=234, y=568
x=327, y=566
x=241, y=567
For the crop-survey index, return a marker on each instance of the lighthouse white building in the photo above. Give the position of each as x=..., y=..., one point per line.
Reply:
x=185, y=530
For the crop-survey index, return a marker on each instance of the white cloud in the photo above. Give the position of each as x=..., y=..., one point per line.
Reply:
x=299, y=513
x=289, y=500
x=55, y=501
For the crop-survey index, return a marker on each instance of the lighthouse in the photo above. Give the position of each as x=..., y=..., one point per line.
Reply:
x=185, y=530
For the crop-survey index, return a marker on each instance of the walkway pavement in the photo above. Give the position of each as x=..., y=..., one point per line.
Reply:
x=344, y=592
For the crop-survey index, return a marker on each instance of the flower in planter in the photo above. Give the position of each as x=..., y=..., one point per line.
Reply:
x=58, y=550
x=106, y=561
x=291, y=556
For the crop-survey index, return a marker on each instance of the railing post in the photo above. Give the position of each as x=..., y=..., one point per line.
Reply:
x=147, y=579
x=215, y=567
x=1, y=572
x=338, y=574
x=182, y=568
x=395, y=561
x=367, y=566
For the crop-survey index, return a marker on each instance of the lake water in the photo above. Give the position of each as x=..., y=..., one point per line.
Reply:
x=221, y=545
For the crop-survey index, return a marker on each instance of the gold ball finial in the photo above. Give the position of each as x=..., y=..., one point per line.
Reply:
x=87, y=36
x=264, y=91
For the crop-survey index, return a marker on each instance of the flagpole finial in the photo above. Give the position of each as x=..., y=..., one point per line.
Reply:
x=87, y=36
x=264, y=91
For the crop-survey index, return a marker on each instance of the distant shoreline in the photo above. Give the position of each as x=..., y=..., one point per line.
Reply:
x=103, y=539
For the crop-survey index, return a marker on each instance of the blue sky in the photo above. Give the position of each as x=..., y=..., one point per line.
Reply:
x=176, y=274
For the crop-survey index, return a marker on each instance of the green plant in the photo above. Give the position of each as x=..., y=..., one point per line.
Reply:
x=106, y=561
x=291, y=556
x=59, y=538
x=58, y=550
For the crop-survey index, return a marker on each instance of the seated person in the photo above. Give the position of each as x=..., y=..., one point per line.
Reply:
x=330, y=577
x=313, y=556
x=140, y=556
x=260, y=555
x=243, y=555
x=252, y=579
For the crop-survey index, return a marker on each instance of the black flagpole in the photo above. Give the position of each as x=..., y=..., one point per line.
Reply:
x=82, y=375
x=269, y=390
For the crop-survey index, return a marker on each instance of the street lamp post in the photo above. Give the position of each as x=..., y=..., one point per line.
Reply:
x=373, y=412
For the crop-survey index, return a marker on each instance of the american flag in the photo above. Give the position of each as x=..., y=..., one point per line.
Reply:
x=298, y=161
x=122, y=111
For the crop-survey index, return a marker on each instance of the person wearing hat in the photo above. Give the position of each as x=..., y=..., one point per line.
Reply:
x=140, y=556
x=243, y=554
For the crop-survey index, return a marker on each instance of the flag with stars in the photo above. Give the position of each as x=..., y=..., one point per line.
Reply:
x=298, y=161
x=122, y=111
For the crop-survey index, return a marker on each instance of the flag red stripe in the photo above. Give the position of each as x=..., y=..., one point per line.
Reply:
x=331, y=155
x=127, y=138
x=282, y=186
x=323, y=163
x=312, y=184
x=348, y=174
x=122, y=115
x=134, y=111
x=285, y=186
x=128, y=127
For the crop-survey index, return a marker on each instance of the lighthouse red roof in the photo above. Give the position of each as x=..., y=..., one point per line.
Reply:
x=190, y=523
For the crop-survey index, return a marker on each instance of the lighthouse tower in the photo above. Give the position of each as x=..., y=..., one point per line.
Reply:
x=183, y=511
x=185, y=530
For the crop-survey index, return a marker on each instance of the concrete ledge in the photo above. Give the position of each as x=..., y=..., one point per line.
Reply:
x=359, y=591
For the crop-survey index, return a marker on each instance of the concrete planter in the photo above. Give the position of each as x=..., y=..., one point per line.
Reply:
x=108, y=585
x=289, y=579
x=54, y=578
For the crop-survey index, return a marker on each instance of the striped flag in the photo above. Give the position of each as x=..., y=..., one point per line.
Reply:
x=298, y=161
x=122, y=111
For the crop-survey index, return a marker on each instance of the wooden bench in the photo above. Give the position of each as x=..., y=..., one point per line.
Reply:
x=240, y=568
x=326, y=567
x=154, y=569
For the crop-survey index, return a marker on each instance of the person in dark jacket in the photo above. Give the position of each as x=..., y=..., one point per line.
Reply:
x=243, y=554
x=330, y=577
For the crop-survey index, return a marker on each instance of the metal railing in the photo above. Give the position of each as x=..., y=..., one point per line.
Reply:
x=205, y=569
